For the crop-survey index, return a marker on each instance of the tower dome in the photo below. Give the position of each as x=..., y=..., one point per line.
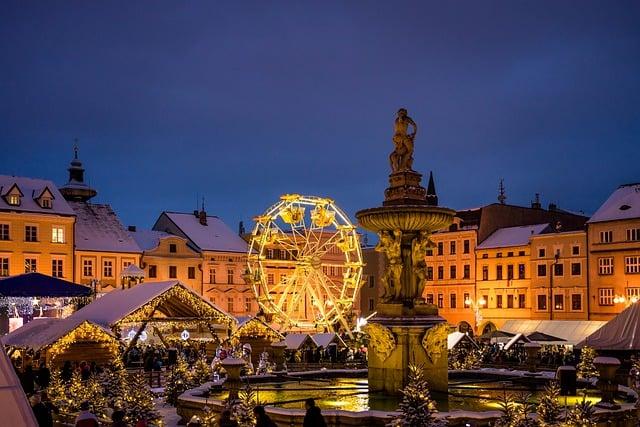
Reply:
x=76, y=189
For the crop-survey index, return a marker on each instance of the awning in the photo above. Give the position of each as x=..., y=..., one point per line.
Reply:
x=620, y=333
x=571, y=331
x=495, y=334
x=544, y=338
x=40, y=285
x=515, y=339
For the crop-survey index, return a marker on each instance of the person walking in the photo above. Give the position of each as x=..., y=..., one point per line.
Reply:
x=50, y=407
x=262, y=419
x=226, y=421
x=44, y=376
x=313, y=417
x=86, y=418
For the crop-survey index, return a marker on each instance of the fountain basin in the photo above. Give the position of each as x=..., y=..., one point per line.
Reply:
x=405, y=217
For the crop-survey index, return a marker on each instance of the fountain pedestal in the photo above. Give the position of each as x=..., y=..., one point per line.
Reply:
x=233, y=367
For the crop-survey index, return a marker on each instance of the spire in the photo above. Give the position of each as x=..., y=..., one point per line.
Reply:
x=501, y=195
x=202, y=215
x=432, y=198
x=76, y=189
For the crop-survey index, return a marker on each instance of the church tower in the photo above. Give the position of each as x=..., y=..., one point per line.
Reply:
x=76, y=189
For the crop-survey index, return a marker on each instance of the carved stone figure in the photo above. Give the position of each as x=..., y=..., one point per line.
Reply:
x=390, y=244
x=402, y=156
x=419, y=247
x=434, y=342
x=381, y=339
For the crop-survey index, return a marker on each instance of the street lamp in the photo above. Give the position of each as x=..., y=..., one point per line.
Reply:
x=476, y=306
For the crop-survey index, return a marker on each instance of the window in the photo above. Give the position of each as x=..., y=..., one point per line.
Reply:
x=576, y=268
x=153, y=271
x=558, y=302
x=498, y=301
x=372, y=281
x=466, y=298
x=30, y=265
x=485, y=272
x=45, y=203
x=172, y=248
x=440, y=248
x=510, y=272
x=575, y=250
x=173, y=272
x=576, y=302
x=633, y=293
x=4, y=267
x=466, y=273
x=229, y=304
x=440, y=301
x=542, y=302
x=509, y=301
x=542, y=270
x=558, y=270
x=606, y=236
x=498, y=272
x=372, y=304
x=429, y=273
x=465, y=246
x=485, y=255
x=107, y=268
x=429, y=298
x=4, y=231
x=30, y=233
x=633, y=234
x=521, y=301
x=56, y=268
x=521, y=271
x=87, y=268
x=271, y=278
x=632, y=264
x=541, y=253
x=429, y=252
x=269, y=253
x=440, y=272
x=452, y=272
x=212, y=275
x=452, y=300
x=499, y=255
x=247, y=305
x=13, y=199
x=605, y=266
x=486, y=299
x=452, y=248
x=191, y=272
x=509, y=253
x=521, y=253
x=605, y=296
x=229, y=276
x=57, y=234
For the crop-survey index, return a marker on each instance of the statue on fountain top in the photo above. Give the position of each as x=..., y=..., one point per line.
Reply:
x=402, y=156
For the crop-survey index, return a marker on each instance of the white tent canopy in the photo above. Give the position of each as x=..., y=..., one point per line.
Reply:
x=572, y=331
x=454, y=339
x=515, y=339
x=323, y=340
x=620, y=333
x=14, y=406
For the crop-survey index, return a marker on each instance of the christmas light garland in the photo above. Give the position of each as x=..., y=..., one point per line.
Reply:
x=86, y=331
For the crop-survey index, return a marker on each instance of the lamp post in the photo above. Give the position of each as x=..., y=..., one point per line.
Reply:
x=476, y=306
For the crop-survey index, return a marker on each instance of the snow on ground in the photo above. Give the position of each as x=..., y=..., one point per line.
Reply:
x=167, y=412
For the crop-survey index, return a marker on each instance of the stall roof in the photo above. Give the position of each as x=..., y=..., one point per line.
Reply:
x=454, y=339
x=14, y=405
x=620, y=333
x=295, y=341
x=40, y=285
x=123, y=305
x=572, y=331
x=43, y=332
x=516, y=338
x=323, y=340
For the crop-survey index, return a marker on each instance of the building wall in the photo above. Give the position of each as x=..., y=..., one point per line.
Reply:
x=569, y=282
x=449, y=293
x=605, y=283
x=223, y=283
x=44, y=251
x=184, y=264
x=103, y=267
x=374, y=265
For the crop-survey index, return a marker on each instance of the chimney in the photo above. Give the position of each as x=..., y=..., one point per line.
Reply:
x=195, y=213
x=202, y=216
x=553, y=207
x=241, y=230
x=132, y=228
x=536, y=202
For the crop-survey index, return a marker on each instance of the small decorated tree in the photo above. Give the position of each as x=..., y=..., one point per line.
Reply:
x=138, y=401
x=514, y=413
x=242, y=408
x=585, y=367
x=582, y=414
x=114, y=382
x=178, y=381
x=417, y=407
x=89, y=390
x=201, y=371
x=548, y=409
x=57, y=391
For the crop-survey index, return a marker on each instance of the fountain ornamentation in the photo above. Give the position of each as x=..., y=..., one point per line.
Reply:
x=406, y=329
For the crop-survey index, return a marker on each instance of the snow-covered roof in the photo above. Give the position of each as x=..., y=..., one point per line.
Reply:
x=624, y=203
x=32, y=188
x=295, y=341
x=43, y=332
x=99, y=229
x=515, y=339
x=14, y=405
x=118, y=304
x=512, y=236
x=215, y=236
x=132, y=270
x=572, y=331
x=455, y=337
x=620, y=333
x=323, y=340
x=149, y=239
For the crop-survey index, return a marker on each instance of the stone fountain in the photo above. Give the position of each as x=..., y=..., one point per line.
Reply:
x=405, y=330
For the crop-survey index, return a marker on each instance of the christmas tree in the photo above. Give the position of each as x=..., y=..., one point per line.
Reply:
x=548, y=408
x=461, y=357
x=114, y=382
x=416, y=406
x=138, y=400
x=585, y=367
x=242, y=409
x=178, y=381
x=582, y=414
x=514, y=413
x=57, y=391
x=208, y=417
x=201, y=371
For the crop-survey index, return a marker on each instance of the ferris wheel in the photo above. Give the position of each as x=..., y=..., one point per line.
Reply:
x=305, y=263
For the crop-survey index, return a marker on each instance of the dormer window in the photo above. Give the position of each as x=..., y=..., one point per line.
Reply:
x=45, y=203
x=13, y=199
x=44, y=198
x=13, y=196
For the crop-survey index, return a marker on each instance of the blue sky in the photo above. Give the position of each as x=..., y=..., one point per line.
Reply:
x=240, y=102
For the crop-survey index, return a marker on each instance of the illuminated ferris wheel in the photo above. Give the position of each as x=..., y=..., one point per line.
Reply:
x=305, y=263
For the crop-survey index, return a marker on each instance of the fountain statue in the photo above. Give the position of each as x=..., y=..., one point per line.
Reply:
x=405, y=329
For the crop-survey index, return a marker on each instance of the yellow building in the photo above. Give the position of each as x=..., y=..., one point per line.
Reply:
x=559, y=276
x=36, y=228
x=613, y=236
x=372, y=271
